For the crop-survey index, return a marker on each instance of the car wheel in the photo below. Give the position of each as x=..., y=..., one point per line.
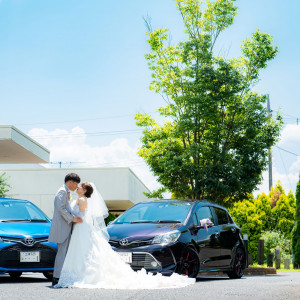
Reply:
x=239, y=264
x=48, y=275
x=189, y=263
x=15, y=275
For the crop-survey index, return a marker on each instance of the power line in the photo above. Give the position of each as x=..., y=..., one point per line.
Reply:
x=287, y=151
x=286, y=173
x=132, y=163
x=100, y=133
x=83, y=120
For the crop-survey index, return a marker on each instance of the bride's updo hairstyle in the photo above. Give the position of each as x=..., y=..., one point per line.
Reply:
x=89, y=189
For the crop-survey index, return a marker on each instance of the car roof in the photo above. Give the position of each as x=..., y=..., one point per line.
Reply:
x=201, y=202
x=13, y=200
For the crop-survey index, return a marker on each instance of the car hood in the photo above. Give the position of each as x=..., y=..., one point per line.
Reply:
x=35, y=230
x=139, y=231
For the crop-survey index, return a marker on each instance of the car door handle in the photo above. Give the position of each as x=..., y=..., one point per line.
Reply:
x=233, y=229
x=217, y=234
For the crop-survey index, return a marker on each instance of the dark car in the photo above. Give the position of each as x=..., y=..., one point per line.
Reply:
x=175, y=236
x=24, y=245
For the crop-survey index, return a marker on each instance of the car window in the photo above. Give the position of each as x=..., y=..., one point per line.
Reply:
x=33, y=212
x=221, y=215
x=195, y=220
x=19, y=211
x=204, y=212
x=156, y=211
x=230, y=219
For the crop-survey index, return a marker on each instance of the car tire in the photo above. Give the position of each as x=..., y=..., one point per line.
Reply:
x=15, y=275
x=189, y=263
x=239, y=264
x=48, y=275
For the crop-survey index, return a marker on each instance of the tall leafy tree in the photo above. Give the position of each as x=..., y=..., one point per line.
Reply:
x=217, y=132
x=296, y=229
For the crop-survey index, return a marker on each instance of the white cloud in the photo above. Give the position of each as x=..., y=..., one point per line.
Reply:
x=72, y=149
x=290, y=134
x=72, y=146
x=286, y=166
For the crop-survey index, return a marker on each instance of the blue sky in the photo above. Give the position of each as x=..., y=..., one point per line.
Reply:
x=69, y=67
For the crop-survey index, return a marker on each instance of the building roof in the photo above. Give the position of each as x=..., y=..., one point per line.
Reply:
x=17, y=147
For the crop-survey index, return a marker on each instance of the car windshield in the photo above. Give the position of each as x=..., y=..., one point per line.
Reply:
x=156, y=212
x=11, y=211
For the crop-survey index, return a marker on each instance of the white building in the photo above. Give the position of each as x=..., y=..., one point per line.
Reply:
x=18, y=148
x=20, y=157
x=119, y=187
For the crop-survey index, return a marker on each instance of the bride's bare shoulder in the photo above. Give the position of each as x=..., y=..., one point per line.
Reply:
x=82, y=199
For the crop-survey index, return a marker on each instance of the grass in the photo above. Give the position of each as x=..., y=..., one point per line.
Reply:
x=278, y=270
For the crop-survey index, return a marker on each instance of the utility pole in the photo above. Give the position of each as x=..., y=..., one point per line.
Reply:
x=270, y=154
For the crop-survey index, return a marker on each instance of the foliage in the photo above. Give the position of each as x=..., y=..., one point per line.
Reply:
x=296, y=229
x=217, y=134
x=4, y=186
x=283, y=214
x=273, y=212
x=275, y=240
x=110, y=218
x=251, y=219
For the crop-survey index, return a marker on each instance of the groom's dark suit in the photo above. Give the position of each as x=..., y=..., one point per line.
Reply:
x=61, y=227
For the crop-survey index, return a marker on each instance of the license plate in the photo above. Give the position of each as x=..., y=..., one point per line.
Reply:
x=30, y=256
x=126, y=257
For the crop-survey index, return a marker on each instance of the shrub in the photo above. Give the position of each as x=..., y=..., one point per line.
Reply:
x=275, y=240
x=296, y=229
x=4, y=186
x=265, y=213
x=110, y=217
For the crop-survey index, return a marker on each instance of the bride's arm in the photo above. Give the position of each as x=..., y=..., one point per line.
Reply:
x=82, y=204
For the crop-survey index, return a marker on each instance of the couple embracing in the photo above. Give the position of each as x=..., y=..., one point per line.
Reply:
x=84, y=257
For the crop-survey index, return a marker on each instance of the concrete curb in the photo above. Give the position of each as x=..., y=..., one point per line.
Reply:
x=248, y=272
x=260, y=271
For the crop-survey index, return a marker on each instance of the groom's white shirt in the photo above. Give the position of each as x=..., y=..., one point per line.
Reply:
x=62, y=218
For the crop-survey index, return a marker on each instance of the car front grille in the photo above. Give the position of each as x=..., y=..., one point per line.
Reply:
x=144, y=260
x=10, y=256
x=130, y=244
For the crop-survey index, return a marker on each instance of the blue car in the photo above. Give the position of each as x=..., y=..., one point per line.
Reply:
x=24, y=245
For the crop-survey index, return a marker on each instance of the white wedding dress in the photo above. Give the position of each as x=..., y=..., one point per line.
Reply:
x=92, y=263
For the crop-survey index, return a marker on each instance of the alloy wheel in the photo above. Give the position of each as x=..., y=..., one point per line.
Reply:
x=189, y=263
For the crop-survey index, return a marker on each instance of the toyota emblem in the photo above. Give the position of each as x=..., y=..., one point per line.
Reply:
x=123, y=242
x=29, y=241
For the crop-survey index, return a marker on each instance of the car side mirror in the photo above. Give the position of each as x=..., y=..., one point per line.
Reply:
x=206, y=223
x=194, y=228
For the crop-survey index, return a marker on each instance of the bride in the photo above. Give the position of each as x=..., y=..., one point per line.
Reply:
x=91, y=262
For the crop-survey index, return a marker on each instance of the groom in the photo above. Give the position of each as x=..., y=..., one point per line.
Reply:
x=61, y=226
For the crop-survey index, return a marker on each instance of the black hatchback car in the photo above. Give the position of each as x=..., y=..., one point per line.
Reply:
x=180, y=236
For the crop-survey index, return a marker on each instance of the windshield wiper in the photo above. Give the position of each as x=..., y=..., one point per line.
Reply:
x=143, y=222
x=25, y=220
x=168, y=221
x=156, y=221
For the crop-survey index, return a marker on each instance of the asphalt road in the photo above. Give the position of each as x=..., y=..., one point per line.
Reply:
x=280, y=286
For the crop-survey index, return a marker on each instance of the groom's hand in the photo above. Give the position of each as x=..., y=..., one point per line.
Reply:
x=77, y=220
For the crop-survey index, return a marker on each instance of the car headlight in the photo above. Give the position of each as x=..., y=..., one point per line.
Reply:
x=167, y=238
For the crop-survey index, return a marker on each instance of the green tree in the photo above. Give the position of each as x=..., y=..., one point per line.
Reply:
x=251, y=219
x=283, y=214
x=4, y=186
x=262, y=214
x=217, y=134
x=296, y=229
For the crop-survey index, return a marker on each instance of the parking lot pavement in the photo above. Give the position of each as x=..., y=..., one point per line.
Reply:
x=273, y=287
